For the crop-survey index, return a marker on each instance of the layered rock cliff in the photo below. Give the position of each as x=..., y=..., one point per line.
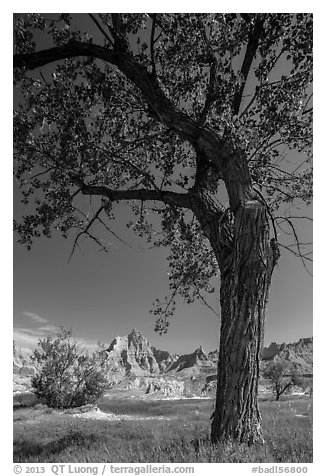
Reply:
x=133, y=354
x=191, y=363
x=299, y=353
x=133, y=363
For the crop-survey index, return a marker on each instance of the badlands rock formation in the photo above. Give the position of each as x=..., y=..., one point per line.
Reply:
x=300, y=353
x=22, y=364
x=192, y=363
x=23, y=369
x=133, y=364
x=133, y=354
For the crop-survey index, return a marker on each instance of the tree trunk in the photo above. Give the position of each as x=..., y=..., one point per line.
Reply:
x=246, y=267
x=246, y=254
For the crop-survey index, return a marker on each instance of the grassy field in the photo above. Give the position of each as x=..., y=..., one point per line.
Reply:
x=179, y=435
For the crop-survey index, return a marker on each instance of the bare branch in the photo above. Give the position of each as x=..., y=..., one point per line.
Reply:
x=299, y=253
x=295, y=217
x=101, y=29
x=252, y=46
x=247, y=108
x=171, y=198
x=42, y=76
x=289, y=78
x=205, y=303
x=266, y=144
x=40, y=173
x=113, y=233
x=307, y=111
x=152, y=44
x=85, y=231
x=210, y=96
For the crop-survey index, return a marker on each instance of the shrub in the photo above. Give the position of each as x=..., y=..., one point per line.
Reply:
x=66, y=376
x=24, y=400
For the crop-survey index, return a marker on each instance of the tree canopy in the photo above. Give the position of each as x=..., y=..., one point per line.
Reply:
x=202, y=124
x=128, y=106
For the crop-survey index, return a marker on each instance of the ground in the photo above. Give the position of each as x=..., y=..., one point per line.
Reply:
x=146, y=430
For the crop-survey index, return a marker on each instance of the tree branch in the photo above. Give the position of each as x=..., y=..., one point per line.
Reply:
x=152, y=44
x=252, y=46
x=205, y=303
x=203, y=139
x=163, y=109
x=142, y=173
x=247, y=108
x=101, y=29
x=85, y=231
x=299, y=253
x=118, y=32
x=170, y=198
x=210, y=96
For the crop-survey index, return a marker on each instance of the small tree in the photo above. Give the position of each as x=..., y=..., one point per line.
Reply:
x=66, y=375
x=202, y=125
x=281, y=375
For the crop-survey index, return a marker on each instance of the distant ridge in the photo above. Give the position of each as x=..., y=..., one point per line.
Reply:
x=299, y=353
x=198, y=358
x=133, y=354
x=132, y=362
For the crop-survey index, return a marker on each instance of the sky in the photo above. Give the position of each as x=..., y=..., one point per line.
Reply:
x=289, y=313
x=101, y=295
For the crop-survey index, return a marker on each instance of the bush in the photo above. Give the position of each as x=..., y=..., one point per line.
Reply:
x=67, y=377
x=24, y=400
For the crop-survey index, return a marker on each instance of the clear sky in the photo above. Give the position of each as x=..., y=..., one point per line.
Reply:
x=102, y=295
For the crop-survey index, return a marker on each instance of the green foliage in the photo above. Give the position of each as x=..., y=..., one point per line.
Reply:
x=66, y=376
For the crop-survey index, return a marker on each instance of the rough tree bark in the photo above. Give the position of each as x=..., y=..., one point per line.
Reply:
x=246, y=253
x=245, y=282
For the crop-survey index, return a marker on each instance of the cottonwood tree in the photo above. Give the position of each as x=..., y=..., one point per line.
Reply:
x=282, y=376
x=201, y=122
